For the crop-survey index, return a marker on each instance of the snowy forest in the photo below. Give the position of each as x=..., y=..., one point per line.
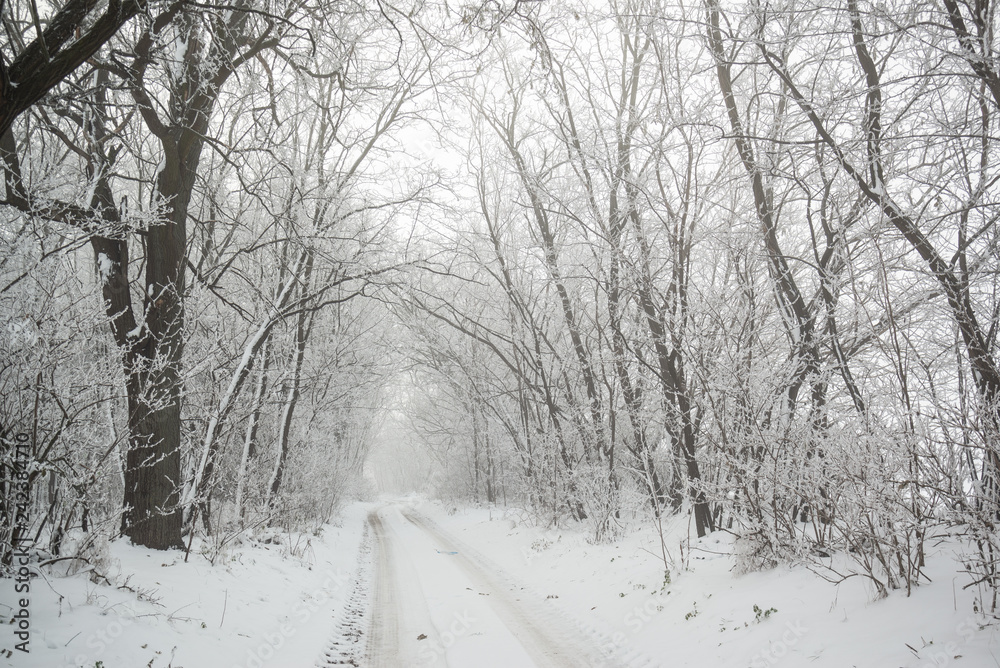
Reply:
x=731, y=265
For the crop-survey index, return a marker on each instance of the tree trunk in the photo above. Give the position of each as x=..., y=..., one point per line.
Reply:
x=152, y=512
x=253, y=425
x=303, y=326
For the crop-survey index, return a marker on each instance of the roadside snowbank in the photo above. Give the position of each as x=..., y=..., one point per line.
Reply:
x=707, y=616
x=261, y=604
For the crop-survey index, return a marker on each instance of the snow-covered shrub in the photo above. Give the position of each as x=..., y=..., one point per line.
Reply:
x=84, y=551
x=59, y=390
x=880, y=514
x=804, y=494
x=600, y=496
x=314, y=487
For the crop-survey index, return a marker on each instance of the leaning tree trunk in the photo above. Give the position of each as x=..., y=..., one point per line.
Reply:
x=253, y=426
x=201, y=489
x=303, y=326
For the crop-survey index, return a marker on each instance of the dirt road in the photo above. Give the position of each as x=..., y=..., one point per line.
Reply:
x=436, y=602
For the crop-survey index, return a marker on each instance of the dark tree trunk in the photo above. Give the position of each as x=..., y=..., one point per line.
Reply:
x=152, y=505
x=152, y=511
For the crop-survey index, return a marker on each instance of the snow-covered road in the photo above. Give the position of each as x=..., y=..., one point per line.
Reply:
x=436, y=602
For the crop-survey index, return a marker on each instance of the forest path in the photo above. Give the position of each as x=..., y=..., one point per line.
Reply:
x=436, y=602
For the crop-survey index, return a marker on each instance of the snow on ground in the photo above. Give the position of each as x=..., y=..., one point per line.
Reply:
x=261, y=604
x=485, y=587
x=708, y=616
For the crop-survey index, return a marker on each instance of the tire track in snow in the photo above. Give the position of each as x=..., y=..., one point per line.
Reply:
x=400, y=619
x=383, y=642
x=549, y=643
x=599, y=650
x=345, y=647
